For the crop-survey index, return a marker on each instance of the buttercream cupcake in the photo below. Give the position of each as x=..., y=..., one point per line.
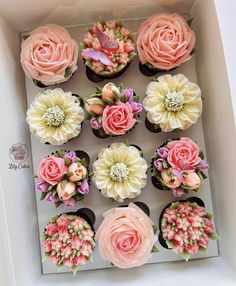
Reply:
x=120, y=172
x=107, y=49
x=164, y=42
x=178, y=166
x=55, y=116
x=172, y=103
x=126, y=237
x=68, y=241
x=187, y=228
x=63, y=177
x=113, y=110
x=49, y=55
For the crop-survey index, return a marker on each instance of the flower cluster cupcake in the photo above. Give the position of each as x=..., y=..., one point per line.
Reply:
x=126, y=237
x=120, y=172
x=63, y=177
x=172, y=103
x=49, y=55
x=165, y=41
x=68, y=240
x=107, y=49
x=179, y=166
x=113, y=110
x=55, y=116
x=186, y=228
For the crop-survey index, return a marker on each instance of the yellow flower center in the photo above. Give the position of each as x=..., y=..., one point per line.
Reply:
x=119, y=172
x=54, y=116
x=174, y=101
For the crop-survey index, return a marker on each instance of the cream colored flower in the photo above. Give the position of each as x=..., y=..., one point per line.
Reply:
x=173, y=102
x=55, y=116
x=120, y=172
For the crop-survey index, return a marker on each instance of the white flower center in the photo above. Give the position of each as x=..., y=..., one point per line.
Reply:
x=174, y=101
x=54, y=116
x=119, y=172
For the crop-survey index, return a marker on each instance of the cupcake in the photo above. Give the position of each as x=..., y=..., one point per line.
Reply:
x=172, y=103
x=55, y=116
x=178, y=166
x=63, y=177
x=120, y=171
x=113, y=110
x=49, y=55
x=107, y=49
x=68, y=240
x=126, y=237
x=164, y=42
x=187, y=228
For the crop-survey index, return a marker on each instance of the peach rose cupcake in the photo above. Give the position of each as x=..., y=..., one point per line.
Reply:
x=49, y=55
x=178, y=166
x=63, y=177
x=126, y=237
x=107, y=49
x=113, y=110
x=164, y=42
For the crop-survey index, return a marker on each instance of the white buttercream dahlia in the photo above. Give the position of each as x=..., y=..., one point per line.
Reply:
x=55, y=116
x=120, y=172
x=173, y=102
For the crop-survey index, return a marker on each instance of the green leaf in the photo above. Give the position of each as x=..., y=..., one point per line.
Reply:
x=67, y=162
x=174, y=205
x=63, y=184
x=132, y=36
x=193, y=52
x=136, y=98
x=99, y=119
x=59, y=153
x=24, y=37
x=98, y=89
x=59, y=267
x=120, y=67
x=119, y=23
x=214, y=236
x=96, y=100
x=165, y=166
x=90, y=258
x=57, y=204
x=168, y=172
x=36, y=82
x=190, y=21
x=132, y=55
x=209, y=215
x=155, y=249
x=155, y=228
x=68, y=72
x=43, y=195
x=69, y=174
x=35, y=176
x=79, y=197
x=186, y=256
x=203, y=249
x=88, y=64
x=164, y=222
x=83, y=45
x=169, y=243
x=102, y=21
x=54, y=192
x=53, y=219
x=201, y=155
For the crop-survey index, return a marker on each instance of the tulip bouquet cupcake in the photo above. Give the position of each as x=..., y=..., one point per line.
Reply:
x=64, y=178
x=107, y=49
x=164, y=42
x=113, y=110
x=120, y=171
x=178, y=166
x=186, y=228
x=126, y=237
x=56, y=116
x=68, y=240
x=172, y=103
x=49, y=55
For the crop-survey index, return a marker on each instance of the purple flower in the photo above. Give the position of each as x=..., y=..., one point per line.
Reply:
x=162, y=152
x=70, y=203
x=95, y=124
x=178, y=174
x=84, y=188
x=177, y=192
x=71, y=156
x=158, y=164
x=203, y=166
x=49, y=198
x=129, y=92
x=136, y=106
x=42, y=187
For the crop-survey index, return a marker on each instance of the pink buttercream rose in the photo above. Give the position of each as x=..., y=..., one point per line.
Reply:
x=118, y=119
x=126, y=236
x=49, y=54
x=165, y=41
x=183, y=154
x=192, y=180
x=52, y=170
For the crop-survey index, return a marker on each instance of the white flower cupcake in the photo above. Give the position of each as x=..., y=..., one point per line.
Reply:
x=172, y=103
x=120, y=172
x=55, y=116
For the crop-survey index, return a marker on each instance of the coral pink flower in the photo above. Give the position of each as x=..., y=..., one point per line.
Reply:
x=66, y=251
x=171, y=181
x=47, y=246
x=79, y=260
x=191, y=180
x=118, y=119
x=52, y=229
x=76, y=243
x=54, y=258
x=165, y=41
x=52, y=170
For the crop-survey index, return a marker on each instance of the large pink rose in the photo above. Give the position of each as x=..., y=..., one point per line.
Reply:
x=49, y=54
x=126, y=236
x=52, y=170
x=165, y=41
x=183, y=154
x=118, y=119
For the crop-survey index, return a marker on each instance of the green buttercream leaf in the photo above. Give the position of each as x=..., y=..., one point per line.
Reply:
x=43, y=195
x=155, y=249
x=68, y=72
x=185, y=255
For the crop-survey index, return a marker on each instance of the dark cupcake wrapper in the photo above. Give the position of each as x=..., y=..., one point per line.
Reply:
x=145, y=70
x=41, y=85
x=191, y=200
x=152, y=127
x=142, y=206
